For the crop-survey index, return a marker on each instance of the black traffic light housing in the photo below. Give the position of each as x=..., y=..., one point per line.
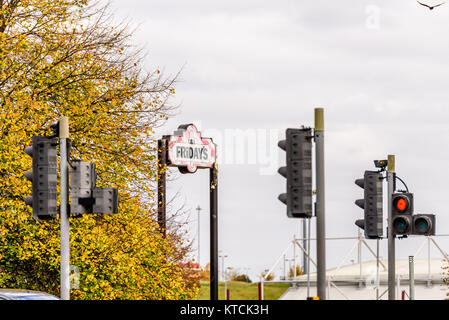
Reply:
x=402, y=213
x=423, y=224
x=298, y=172
x=372, y=223
x=44, y=177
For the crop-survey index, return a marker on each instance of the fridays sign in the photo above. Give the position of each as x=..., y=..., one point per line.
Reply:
x=189, y=151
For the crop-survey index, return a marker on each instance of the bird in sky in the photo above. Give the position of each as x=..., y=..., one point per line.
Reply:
x=430, y=7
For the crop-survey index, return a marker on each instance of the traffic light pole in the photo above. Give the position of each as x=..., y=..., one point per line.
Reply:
x=305, y=268
x=320, y=225
x=391, y=238
x=213, y=178
x=64, y=215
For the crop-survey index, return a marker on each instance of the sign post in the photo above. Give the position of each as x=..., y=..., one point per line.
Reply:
x=161, y=184
x=188, y=150
x=213, y=177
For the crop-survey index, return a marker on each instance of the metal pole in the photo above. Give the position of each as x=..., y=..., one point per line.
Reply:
x=213, y=179
x=289, y=267
x=285, y=277
x=429, y=277
x=398, y=286
x=304, y=245
x=64, y=215
x=223, y=270
x=199, y=263
x=308, y=258
x=377, y=270
x=411, y=272
x=359, y=253
x=225, y=286
x=161, y=185
x=294, y=256
x=320, y=204
x=391, y=238
x=220, y=268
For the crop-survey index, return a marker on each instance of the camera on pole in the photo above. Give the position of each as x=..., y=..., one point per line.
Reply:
x=44, y=177
x=372, y=223
x=298, y=172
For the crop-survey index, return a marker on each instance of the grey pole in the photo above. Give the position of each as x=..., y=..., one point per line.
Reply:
x=377, y=271
x=223, y=272
x=294, y=256
x=64, y=216
x=320, y=204
x=429, y=276
x=411, y=280
x=308, y=257
x=359, y=254
x=391, y=239
x=285, y=271
x=304, y=245
x=225, y=287
x=199, y=264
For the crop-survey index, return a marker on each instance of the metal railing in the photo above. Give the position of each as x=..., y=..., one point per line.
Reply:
x=360, y=242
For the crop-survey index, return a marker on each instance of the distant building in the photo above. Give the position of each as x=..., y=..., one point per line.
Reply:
x=358, y=281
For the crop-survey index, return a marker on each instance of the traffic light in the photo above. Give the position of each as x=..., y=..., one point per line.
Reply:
x=44, y=177
x=105, y=200
x=82, y=182
x=423, y=224
x=298, y=171
x=372, y=223
x=402, y=213
x=85, y=196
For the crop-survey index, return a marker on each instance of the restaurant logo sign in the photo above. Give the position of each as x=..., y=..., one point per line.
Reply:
x=189, y=151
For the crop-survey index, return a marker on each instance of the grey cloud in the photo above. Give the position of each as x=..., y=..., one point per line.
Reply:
x=252, y=64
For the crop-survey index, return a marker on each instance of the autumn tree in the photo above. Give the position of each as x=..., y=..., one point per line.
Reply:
x=291, y=271
x=205, y=272
x=63, y=57
x=268, y=277
x=236, y=275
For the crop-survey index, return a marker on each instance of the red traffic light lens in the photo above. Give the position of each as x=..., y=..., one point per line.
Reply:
x=401, y=204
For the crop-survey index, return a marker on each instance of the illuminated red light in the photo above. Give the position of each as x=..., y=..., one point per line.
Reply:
x=401, y=204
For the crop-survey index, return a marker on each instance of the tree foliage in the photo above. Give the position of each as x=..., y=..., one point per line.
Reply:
x=291, y=271
x=62, y=57
x=237, y=276
x=205, y=272
x=269, y=277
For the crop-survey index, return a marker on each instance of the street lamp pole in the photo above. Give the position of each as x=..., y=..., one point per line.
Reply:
x=223, y=271
x=199, y=263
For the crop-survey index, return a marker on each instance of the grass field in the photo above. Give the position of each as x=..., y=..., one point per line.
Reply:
x=243, y=291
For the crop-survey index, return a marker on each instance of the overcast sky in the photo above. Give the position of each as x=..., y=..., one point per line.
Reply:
x=379, y=69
